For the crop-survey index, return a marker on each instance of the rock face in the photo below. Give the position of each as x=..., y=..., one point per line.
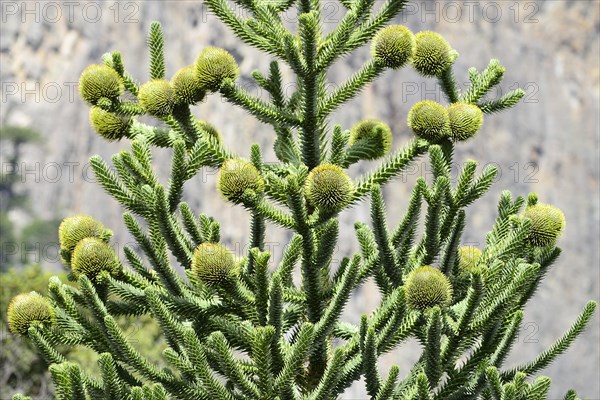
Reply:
x=548, y=143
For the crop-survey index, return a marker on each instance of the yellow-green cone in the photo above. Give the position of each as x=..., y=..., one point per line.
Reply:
x=91, y=256
x=547, y=223
x=236, y=176
x=465, y=120
x=109, y=125
x=328, y=188
x=433, y=54
x=429, y=120
x=468, y=257
x=156, y=97
x=26, y=308
x=374, y=132
x=427, y=287
x=393, y=46
x=214, y=65
x=186, y=86
x=213, y=264
x=98, y=81
x=78, y=227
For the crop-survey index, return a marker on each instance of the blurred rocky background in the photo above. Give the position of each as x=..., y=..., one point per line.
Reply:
x=548, y=144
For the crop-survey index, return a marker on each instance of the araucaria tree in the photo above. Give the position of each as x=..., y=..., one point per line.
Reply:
x=238, y=329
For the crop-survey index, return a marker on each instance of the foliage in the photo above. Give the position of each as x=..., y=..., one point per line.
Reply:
x=23, y=370
x=7, y=237
x=35, y=243
x=12, y=138
x=235, y=329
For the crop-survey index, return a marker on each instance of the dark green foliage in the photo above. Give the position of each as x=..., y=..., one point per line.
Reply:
x=13, y=197
x=23, y=369
x=18, y=134
x=240, y=328
x=7, y=240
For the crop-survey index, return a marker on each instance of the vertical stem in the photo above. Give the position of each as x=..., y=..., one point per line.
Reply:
x=311, y=151
x=310, y=135
x=257, y=227
x=258, y=231
x=311, y=278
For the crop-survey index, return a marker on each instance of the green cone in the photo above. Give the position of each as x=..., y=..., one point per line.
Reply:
x=156, y=97
x=91, y=256
x=465, y=120
x=213, y=66
x=429, y=120
x=433, y=54
x=427, y=287
x=328, y=188
x=109, y=125
x=547, y=223
x=98, y=81
x=236, y=176
x=393, y=46
x=186, y=86
x=213, y=264
x=26, y=308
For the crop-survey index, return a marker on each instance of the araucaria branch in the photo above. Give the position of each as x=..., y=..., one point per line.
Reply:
x=236, y=328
